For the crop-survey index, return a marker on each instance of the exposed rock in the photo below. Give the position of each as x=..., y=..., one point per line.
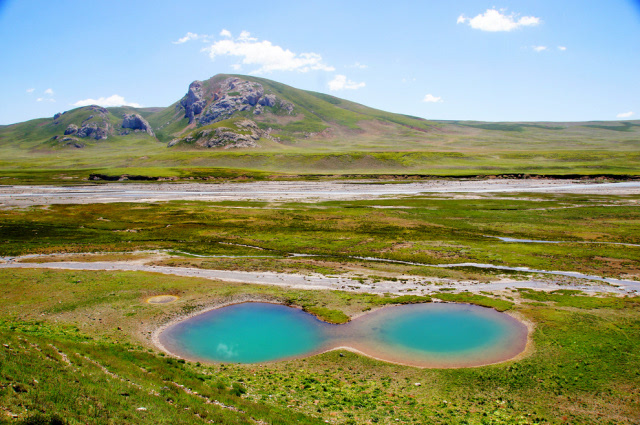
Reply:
x=94, y=131
x=193, y=102
x=287, y=106
x=98, y=109
x=72, y=142
x=71, y=129
x=246, y=135
x=136, y=122
x=234, y=95
x=268, y=100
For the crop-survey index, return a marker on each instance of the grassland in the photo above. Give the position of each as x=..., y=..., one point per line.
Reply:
x=84, y=332
x=88, y=332
x=325, y=135
x=428, y=230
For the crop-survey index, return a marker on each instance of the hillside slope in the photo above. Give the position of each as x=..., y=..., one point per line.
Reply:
x=251, y=125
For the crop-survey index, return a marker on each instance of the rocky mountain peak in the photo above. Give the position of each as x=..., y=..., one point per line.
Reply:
x=231, y=96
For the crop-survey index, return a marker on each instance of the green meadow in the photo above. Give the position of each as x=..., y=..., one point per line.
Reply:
x=428, y=230
x=89, y=332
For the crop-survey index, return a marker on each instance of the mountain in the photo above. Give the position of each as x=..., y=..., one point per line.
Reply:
x=242, y=112
x=226, y=111
x=259, y=109
x=255, y=124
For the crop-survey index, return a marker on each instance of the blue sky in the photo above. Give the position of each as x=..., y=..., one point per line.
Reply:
x=540, y=60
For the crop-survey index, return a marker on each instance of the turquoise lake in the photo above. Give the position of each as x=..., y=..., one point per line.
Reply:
x=424, y=335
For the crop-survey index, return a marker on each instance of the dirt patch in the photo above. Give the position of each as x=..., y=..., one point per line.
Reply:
x=162, y=299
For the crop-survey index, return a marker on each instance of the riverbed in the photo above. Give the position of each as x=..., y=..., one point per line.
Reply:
x=305, y=191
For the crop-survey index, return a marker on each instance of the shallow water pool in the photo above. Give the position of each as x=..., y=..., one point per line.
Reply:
x=424, y=335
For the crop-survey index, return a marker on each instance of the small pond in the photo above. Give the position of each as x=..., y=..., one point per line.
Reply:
x=423, y=335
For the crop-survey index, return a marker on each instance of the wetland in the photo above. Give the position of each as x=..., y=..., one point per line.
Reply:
x=86, y=287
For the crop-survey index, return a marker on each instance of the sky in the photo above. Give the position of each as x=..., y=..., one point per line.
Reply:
x=510, y=60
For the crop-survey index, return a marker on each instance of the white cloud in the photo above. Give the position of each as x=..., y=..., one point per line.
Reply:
x=267, y=56
x=432, y=99
x=625, y=114
x=340, y=82
x=114, y=100
x=190, y=36
x=236, y=67
x=30, y=90
x=49, y=92
x=562, y=48
x=246, y=36
x=494, y=20
x=539, y=48
x=357, y=65
x=225, y=33
x=45, y=99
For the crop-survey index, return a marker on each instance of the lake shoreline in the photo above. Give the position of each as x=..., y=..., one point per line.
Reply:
x=372, y=353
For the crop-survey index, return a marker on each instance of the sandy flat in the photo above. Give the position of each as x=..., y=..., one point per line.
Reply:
x=294, y=191
x=415, y=285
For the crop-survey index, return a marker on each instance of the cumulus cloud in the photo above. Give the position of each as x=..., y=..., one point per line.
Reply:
x=539, y=48
x=562, y=48
x=30, y=90
x=265, y=55
x=432, y=99
x=340, y=82
x=495, y=20
x=625, y=114
x=246, y=36
x=225, y=33
x=115, y=100
x=191, y=36
x=49, y=92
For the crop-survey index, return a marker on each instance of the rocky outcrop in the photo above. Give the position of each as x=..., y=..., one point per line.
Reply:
x=98, y=109
x=94, y=131
x=268, y=100
x=72, y=142
x=71, y=129
x=95, y=122
x=95, y=125
x=194, y=101
x=233, y=95
x=287, y=106
x=137, y=123
x=245, y=135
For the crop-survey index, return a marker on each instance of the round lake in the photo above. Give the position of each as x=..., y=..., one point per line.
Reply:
x=424, y=335
x=245, y=333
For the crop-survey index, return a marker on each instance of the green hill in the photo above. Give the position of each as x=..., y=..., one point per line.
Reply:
x=247, y=126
